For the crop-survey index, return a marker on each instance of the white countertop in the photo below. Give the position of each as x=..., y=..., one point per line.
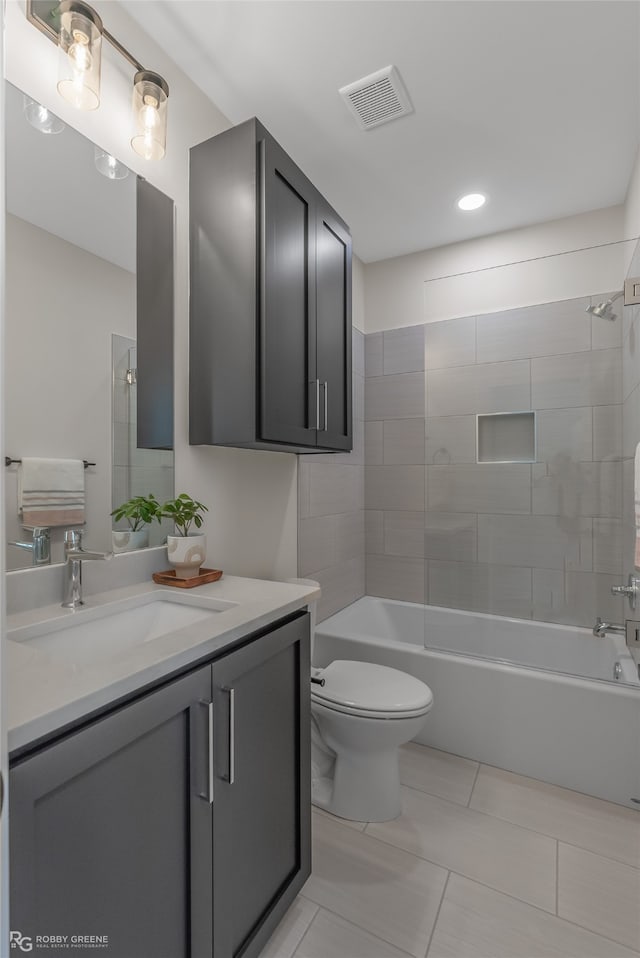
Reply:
x=45, y=694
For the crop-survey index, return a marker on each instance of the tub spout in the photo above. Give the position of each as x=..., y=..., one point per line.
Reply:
x=601, y=628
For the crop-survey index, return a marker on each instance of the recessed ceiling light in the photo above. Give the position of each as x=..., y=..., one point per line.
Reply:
x=472, y=201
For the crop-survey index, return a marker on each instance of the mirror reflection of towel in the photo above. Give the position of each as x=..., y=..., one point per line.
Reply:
x=51, y=492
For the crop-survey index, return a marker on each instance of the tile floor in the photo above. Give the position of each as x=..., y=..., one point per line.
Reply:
x=481, y=864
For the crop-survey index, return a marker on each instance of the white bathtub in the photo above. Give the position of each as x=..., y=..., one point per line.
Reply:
x=535, y=698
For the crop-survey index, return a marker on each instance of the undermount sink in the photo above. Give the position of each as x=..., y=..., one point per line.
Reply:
x=107, y=632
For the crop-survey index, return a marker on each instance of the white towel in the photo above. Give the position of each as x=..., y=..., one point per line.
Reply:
x=51, y=492
x=636, y=496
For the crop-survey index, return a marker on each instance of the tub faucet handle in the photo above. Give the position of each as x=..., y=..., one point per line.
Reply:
x=631, y=590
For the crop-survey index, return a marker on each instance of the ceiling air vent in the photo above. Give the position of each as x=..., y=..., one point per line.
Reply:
x=377, y=98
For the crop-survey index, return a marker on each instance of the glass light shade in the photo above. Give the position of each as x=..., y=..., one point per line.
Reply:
x=109, y=166
x=79, y=57
x=41, y=118
x=150, y=95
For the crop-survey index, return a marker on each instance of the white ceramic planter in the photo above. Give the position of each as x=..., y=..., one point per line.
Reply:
x=186, y=554
x=128, y=541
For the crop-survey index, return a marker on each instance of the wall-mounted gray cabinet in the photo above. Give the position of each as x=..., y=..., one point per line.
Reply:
x=270, y=313
x=169, y=833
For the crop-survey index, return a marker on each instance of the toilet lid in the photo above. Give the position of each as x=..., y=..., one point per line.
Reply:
x=376, y=689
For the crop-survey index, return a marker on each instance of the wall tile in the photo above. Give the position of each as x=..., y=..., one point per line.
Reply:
x=396, y=577
x=342, y=583
x=395, y=397
x=304, y=475
x=451, y=536
x=541, y=541
x=479, y=587
x=450, y=343
x=631, y=424
x=607, y=546
x=577, y=379
x=542, y=330
x=628, y=544
x=486, y=488
x=575, y=598
x=374, y=531
x=358, y=398
x=333, y=489
x=450, y=439
x=566, y=488
x=607, y=432
x=393, y=488
x=316, y=548
x=491, y=387
x=349, y=535
x=357, y=351
x=403, y=350
x=404, y=534
x=373, y=432
x=565, y=432
x=604, y=333
x=404, y=441
x=631, y=353
x=373, y=354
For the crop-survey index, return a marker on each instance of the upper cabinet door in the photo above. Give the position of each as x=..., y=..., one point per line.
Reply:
x=288, y=393
x=333, y=328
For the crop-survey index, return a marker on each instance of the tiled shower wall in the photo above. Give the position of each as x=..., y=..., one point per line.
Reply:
x=540, y=540
x=331, y=510
x=630, y=416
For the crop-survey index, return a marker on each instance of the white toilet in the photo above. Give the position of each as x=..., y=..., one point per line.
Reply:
x=360, y=717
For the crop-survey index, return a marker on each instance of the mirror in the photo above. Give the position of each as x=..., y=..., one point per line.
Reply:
x=71, y=303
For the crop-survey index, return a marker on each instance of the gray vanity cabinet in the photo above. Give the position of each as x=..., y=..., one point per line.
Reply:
x=270, y=306
x=177, y=825
x=262, y=791
x=109, y=832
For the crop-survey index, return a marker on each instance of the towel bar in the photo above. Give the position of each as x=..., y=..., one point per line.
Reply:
x=8, y=461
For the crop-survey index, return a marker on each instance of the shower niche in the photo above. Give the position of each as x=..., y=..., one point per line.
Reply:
x=506, y=437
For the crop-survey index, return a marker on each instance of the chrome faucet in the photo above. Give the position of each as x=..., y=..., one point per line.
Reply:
x=601, y=628
x=39, y=547
x=75, y=555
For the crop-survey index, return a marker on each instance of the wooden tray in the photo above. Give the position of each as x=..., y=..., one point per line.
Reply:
x=169, y=578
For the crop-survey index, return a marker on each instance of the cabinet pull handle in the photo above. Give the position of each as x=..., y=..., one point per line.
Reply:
x=209, y=793
x=317, y=405
x=326, y=406
x=232, y=735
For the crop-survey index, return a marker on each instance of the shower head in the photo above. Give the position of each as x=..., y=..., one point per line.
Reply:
x=603, y=310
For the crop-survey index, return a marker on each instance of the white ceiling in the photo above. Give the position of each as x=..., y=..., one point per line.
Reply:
x=535, y=103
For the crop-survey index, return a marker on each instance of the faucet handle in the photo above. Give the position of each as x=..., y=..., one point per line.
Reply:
x=631, y=590
x=72, y=540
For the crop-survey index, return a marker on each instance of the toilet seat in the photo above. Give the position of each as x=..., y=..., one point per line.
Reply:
x=371, y=691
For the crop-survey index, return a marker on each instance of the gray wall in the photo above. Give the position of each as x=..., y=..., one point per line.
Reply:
x=331, y=510
x=539, y=540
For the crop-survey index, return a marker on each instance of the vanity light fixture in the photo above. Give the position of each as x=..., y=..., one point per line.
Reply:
x=150, y=94
x=109, y=166
x=471, y=201
x=78, y=31
x=42, y=119
x=80, y=52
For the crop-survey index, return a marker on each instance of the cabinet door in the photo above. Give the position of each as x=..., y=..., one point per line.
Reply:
x=111, y=830
x=333, y=328
x=287, y=347
x=261, y=810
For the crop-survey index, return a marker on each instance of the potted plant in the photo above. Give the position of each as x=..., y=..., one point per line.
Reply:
x=139, y=512
x=187, y=550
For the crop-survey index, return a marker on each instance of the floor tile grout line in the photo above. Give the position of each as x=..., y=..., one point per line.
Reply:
x=354, y=924
x=435, y=922
x=475, y=779
x=508, y=821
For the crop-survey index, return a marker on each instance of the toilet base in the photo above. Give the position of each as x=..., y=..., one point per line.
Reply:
x=365, y=788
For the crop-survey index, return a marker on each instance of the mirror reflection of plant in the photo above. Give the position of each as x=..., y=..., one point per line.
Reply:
x=184, y=512
x=139, y=511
